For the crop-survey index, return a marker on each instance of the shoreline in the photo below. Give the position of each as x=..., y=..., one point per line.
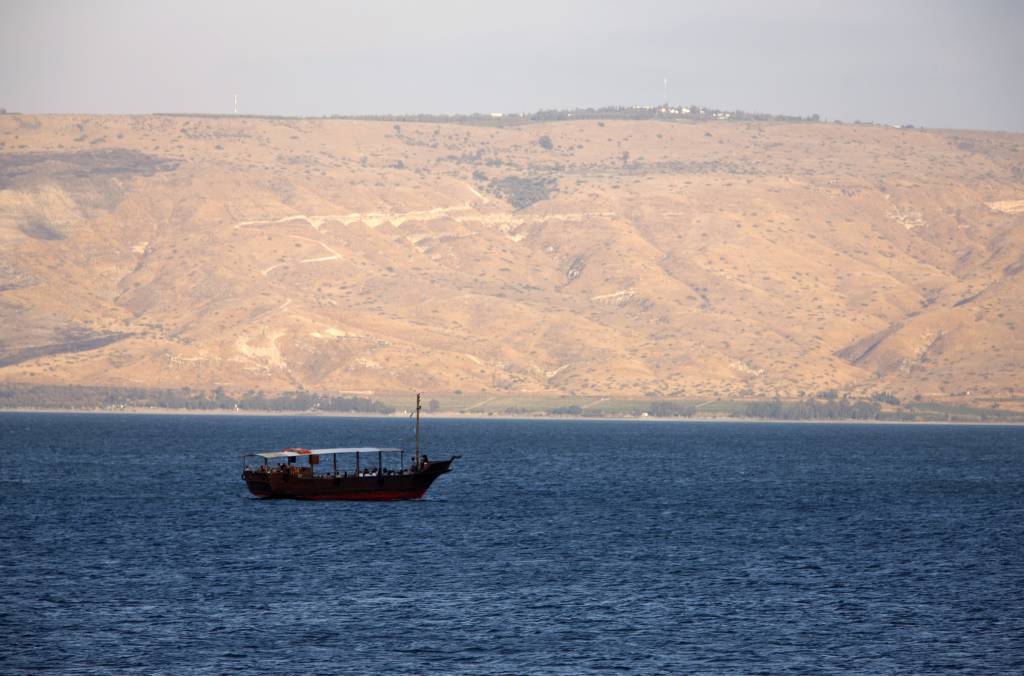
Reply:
x=502, y=417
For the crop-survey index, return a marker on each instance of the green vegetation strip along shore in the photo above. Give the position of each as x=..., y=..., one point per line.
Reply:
x=825, y=407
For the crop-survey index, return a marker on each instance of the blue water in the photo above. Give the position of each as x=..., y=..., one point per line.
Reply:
x=130, y=545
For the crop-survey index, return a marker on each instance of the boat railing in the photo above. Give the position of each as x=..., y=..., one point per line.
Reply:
x=312, y=467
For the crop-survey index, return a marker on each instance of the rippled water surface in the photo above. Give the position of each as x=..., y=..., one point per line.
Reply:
x=129, y=544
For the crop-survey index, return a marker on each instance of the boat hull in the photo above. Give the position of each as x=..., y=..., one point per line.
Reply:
x=404, y=486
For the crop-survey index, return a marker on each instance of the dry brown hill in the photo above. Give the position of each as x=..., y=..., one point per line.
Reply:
x=629, y=258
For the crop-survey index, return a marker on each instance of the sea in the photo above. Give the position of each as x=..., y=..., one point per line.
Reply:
x=131, y=546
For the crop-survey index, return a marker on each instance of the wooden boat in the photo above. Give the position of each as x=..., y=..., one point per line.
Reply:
x=369, y=479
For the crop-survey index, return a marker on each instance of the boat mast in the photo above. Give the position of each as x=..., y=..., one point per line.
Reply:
x=417, y=430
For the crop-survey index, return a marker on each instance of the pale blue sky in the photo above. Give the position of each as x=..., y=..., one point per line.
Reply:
x=937, y=64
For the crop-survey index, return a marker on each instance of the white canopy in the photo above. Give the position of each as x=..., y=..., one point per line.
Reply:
x=300, y=452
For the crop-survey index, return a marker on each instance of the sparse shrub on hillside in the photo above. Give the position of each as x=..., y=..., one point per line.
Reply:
x=520, y=191
x=545, y=142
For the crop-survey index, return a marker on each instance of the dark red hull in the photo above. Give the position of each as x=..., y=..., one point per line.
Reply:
x=404, y=486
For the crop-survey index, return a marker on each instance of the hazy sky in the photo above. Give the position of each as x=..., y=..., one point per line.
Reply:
x=937, y=64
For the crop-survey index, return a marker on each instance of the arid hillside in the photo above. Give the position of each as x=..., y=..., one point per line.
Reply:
x=670, y=259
